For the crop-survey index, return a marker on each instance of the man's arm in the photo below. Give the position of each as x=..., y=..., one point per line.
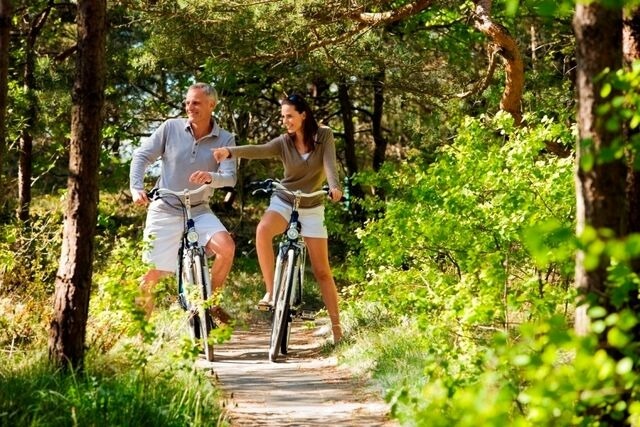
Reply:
x=143, y=156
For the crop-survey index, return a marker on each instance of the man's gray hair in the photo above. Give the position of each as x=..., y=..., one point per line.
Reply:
x=207, y=89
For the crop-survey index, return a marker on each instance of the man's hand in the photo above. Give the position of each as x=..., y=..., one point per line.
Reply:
x=335, y=194
x=139, y=197
x=221, y=153
x=200, y=177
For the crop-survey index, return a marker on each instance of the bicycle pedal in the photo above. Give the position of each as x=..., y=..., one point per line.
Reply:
x=264, y=307
x=307, y=315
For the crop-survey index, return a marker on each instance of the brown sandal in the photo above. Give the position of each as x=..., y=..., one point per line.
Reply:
x=265, y=303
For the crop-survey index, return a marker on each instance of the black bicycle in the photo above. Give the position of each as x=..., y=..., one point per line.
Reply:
x=192, y=274
x=289, y=271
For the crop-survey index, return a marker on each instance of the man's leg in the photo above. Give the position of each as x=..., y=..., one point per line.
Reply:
x=147, y=284
x=222, y=244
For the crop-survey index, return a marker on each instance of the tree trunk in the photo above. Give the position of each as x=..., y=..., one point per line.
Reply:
x=380, y=150
x=25, y=163
x=631, y=49
x=346, y=111
x=600, y=190
x=5, y=26
x=511, y=101
x=73, y=282
x=351, y=156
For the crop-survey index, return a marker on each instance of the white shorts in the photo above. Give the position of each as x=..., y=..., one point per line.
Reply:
x=311, y=219
x=164, y=228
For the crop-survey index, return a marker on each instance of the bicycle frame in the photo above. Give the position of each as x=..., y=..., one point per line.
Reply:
x=194, y=284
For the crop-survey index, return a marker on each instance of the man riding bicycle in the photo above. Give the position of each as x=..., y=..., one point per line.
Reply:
x=185, y=145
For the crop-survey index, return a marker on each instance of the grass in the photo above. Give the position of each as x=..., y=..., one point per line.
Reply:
x=111, y=391
x=382, y=348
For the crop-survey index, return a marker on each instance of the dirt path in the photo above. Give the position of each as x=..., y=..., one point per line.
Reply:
x=306, y=388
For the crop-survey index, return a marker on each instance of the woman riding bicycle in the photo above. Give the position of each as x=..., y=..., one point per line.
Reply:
x=308, y=154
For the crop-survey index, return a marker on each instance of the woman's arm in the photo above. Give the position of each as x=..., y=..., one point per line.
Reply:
x=272, y=148
x=330, y=163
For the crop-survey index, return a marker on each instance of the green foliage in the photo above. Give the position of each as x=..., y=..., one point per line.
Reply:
x=620, y=92
x=477, y=241
x=32, y=394
x=457, y=225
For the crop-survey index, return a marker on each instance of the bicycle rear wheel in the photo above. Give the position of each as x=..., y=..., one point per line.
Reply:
x=281, y=315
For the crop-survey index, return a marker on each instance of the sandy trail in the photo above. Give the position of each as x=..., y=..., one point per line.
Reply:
x=306, y=388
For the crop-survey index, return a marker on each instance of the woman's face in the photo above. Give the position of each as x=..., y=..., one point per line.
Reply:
x=291, y=119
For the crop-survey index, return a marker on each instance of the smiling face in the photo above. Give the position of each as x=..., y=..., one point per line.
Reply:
x=199, y=106
x=292, y=119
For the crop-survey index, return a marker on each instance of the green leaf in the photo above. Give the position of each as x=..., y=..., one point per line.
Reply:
x=586, y=162
x=617, y=338
x=596, y=312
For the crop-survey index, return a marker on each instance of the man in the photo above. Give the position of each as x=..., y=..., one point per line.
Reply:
x=185, y=147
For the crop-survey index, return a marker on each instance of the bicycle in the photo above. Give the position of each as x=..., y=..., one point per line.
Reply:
x=289, y=271
x=192, y=274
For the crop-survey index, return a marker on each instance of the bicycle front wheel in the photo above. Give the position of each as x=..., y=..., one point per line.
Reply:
x=204, y=314
x=281, y=315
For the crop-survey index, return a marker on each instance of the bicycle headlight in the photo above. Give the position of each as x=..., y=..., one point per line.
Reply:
x=192, y=236
x=293, y=233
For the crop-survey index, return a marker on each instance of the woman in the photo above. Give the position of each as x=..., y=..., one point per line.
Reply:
x=308, y=154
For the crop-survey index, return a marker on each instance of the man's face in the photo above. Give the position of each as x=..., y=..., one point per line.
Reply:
x=198, y=105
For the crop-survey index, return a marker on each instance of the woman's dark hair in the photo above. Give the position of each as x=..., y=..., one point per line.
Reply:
x=309, y=125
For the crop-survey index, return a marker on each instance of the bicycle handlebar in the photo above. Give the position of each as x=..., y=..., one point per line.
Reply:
x=268, y=186
x=167, y=192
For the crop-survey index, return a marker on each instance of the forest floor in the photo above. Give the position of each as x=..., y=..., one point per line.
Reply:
x=307, y=387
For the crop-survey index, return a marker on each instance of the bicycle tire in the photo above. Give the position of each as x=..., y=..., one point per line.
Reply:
x=206, y=320
x=194, y=326
x=281, y=313
x=184, y=276
x=295, y=300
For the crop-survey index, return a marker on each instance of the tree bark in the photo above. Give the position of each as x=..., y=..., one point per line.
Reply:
x=600, y=190
x=5, y=26
x=631, y=51
x=73, y=282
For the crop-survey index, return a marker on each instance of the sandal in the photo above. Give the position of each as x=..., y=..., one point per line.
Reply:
x=265, y=303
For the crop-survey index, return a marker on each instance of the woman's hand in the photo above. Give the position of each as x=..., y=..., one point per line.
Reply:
x=335, y=194
x=221, y=153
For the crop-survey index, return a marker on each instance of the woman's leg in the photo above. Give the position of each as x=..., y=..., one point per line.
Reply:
x=271, y=225
x=318, y=250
